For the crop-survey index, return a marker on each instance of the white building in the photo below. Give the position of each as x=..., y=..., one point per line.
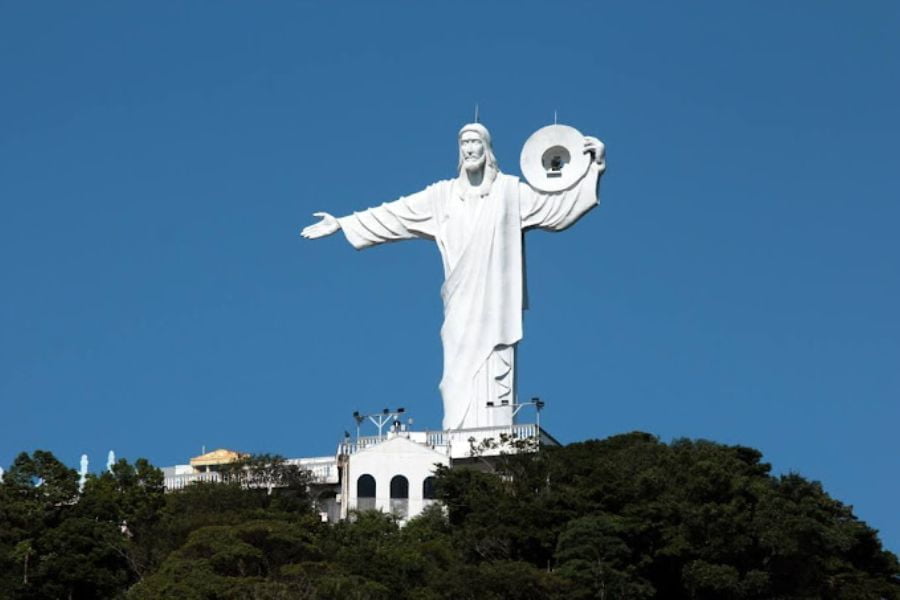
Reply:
x=392, y=473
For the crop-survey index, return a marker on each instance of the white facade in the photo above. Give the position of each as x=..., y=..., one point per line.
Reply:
x=388, y=464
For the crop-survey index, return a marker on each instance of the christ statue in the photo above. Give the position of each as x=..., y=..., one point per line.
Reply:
x=477, y=220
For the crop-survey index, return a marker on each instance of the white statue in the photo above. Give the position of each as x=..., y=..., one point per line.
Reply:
x=477, y=220
x=110, y=461
x=82, y=474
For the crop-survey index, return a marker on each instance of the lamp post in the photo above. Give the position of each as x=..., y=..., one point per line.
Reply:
x=359, y=419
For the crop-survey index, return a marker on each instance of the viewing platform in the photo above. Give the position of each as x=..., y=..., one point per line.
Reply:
x=460, y=443
x=455, y=444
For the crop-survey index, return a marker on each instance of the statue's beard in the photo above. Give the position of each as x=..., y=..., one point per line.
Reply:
x=474, y=164
x=478, y=169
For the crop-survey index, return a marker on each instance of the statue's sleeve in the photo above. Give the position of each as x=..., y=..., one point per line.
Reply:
x=407, y=218
x=558, y=210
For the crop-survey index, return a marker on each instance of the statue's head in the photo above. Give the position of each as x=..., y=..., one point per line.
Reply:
x=475, y=150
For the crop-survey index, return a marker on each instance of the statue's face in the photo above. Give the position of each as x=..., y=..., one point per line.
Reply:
x=471, y=147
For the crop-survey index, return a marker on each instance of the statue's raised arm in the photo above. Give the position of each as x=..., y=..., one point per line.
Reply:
x=597, y=150
x=559, y=210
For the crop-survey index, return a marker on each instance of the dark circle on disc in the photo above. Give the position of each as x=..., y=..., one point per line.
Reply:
x=554, y=159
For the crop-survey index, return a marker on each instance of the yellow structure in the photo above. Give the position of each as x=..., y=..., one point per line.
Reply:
x=207, y=462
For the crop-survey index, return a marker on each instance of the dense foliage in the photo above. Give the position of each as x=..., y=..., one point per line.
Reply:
x=626, y=517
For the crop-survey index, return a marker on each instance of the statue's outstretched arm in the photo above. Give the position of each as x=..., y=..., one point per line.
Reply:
x=325, y=227
x=406, y=218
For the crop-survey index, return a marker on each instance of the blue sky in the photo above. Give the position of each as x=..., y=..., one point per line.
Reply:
x=739, y=281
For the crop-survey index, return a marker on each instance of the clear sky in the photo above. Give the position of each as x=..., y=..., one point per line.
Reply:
x=739, y=282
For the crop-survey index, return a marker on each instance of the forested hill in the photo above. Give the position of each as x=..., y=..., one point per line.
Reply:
x=621, y=518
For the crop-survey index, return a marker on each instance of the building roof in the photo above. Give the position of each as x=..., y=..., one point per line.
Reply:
x=401, y=444
x=222, y=456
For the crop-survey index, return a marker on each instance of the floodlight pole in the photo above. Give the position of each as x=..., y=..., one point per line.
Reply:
x=378, y=419
x=538, y=405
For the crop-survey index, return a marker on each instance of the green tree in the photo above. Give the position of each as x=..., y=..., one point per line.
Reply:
x=51, y=550
x=593, y=553
x=129, y=498
x=627, y=517
x=227, y=561
x=633, y=517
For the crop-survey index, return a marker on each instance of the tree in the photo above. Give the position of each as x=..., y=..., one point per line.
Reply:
x=593, y=553
x=129, y=498
x=60, y=551
x=627, y=517
x=228, y=561
x=632, y=517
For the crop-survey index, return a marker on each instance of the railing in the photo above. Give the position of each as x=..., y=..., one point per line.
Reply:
x=455, y=436
x=360, y=444
x=322, y=470
x=455, y=443
x=179, y=482
x=486, y=441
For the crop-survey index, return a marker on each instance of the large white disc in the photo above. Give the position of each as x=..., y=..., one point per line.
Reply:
x=553, y=158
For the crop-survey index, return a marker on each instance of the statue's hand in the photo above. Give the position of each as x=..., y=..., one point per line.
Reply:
x=596, y=148
x=326, y=226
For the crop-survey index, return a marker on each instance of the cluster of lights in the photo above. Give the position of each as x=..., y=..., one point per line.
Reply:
x=386, y=412
x=379, y=419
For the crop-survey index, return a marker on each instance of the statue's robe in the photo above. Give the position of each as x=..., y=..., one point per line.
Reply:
x=480, y=241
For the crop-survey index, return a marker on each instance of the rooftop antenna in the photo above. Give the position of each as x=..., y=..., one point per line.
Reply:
x=554, y=116
x=476, y=112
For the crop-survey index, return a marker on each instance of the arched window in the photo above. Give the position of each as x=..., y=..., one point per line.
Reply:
x=365, y=486
x=428, y=489
x=400, y=496
x=399, y=487
x=365, y=493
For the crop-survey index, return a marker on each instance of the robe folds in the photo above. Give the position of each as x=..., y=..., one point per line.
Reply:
x=481, y=246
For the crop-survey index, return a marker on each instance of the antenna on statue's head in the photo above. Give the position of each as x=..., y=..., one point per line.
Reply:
x=476, y=112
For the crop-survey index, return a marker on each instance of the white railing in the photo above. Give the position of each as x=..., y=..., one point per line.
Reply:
x=487, y=440
x=322, y=470
x=455, y=443
x=428, y=438
x=360, y=444
x=179, y=482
